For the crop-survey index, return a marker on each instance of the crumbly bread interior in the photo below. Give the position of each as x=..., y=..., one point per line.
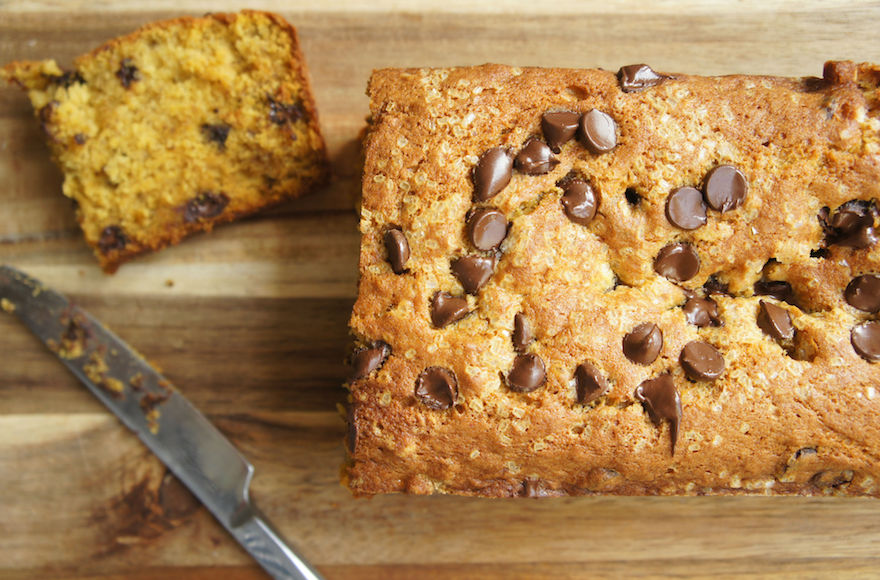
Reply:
x=178, y=126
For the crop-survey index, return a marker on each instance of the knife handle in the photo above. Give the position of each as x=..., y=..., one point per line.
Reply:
x=266, y=545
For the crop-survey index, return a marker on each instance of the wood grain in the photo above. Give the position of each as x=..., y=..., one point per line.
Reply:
x=250, y=323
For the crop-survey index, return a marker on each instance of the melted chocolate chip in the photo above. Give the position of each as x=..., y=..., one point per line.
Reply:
x=368, y=359
x=216, y=133
x=528, y=373
x=863, y=292
x=725, y=188
x=662, y=401
x=715, y=286
x=559, y=128
x=127, y=74
x=775, y=321
x=589, y=383
x=865, y=338
x=112, y=238
x=80, y=139
x=685, y=208
x=535, y=158
x=598, y=131
x=492, y=173
x=579, y=200
x=643, y=343
x=701, y=361
x=397, y=249
x=852, y=225
x=779, y=289
x=678, y=262
x=282, y=113
x=446, y=309
x=702, y=312
x=437, y=388
x=636, y=77
x=486, y=228
x=522, y=333
x=473, y=272
x=205, y=205
x=68, y=79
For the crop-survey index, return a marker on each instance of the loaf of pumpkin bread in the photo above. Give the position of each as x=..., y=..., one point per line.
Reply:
x=178, y=126
x=578, y=282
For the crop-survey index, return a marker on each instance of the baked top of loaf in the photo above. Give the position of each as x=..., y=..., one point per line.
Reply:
x=664, y=286
x=178, y=126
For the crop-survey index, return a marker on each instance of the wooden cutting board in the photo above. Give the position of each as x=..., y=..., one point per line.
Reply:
x=250, y=323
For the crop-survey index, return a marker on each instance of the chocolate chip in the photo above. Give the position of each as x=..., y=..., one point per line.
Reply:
x=522, y=333
x=589, y=383
x=528, y=373
x=702, y=312
x=825, y=479
x=473, y=272
x=216, y=133
x=368, y=359
x=492, y=173
x=685, y=208
x=715, y=286
x=865, y=338
x=852, y=225
x=643, y=343
x=678, y=262
x=579, y=200
x=701, y=361
x=779, y=289
x=725, y=188
x=804, y=451
x=112, y=238
x=598, y=131
x=662, y=401
x=127, y=74
x=863, y=292
x=205, y=205
x=45, y=115
x=632, y=196
x=282, y=113
x=559, y=127
x=437, y=388
x=68, y=79
x=636, y=77
x=397, y=248
x=535, y=158
x=775, y=321
x=80, y=139
x=486, y=228
x=446, y=309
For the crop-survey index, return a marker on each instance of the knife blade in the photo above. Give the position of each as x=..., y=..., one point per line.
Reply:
x=146, y=402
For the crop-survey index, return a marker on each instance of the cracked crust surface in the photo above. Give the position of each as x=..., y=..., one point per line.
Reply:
x=796, y=420
x=179, y=126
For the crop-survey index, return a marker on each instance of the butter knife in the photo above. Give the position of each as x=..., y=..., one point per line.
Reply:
x=183, y=439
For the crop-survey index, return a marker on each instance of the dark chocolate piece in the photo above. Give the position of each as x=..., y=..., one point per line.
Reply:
x=492, y=173
x=473, y=272
x=863, y=292
x=282, y=113
x=701, y=361
x=678, y=262
x=522, y=333
x=865, y=338
x=205, y=205
x=598, y=131
x=446, y=309
x=636, y=77
x=216, y=133
x=535, y=158
x=486, y=228
x=702, y=312
x=685, y=208
x=663, y=403
x=559, y=127
x=528, y=373
x=725, y=188
x=589, y=383
x=580, y=201
x=643, y=343
x=128, y=74
x=397, y=248
x=112, y=238
x=369, y=358
x=437, y=388
x=852, y=224
x=775, y=321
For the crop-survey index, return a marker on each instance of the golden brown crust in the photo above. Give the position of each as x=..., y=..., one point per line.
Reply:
x=179, y=126
x=794, y=417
